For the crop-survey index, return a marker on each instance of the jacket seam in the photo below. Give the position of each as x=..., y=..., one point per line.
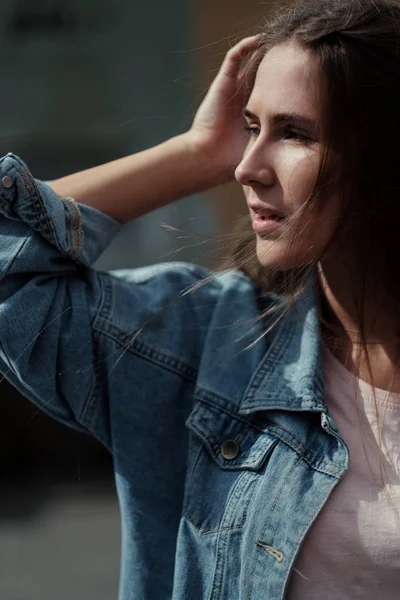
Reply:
x=26, y=240
x=229, y=412
x=73, y=249
x=6, y=201
x=78, y=228
x=29, y=185
x=282, y=340
x=88, y=412
x=93, y=397
x=290, y=439
x=74, y=225
x=213, y=399
x=267, y=523
x=147, y=352
x=306, y=455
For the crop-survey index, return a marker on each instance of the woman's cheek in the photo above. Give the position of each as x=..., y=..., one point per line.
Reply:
x=300, y=175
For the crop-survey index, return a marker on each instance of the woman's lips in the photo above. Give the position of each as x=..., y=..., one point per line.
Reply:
x=265, y=218
x=262, y=224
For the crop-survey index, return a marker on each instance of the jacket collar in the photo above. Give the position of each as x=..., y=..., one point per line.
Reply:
x=290, y=375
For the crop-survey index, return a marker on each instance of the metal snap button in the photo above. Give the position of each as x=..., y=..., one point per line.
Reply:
x=230, y=449
x=324, y=422
x=7, y=182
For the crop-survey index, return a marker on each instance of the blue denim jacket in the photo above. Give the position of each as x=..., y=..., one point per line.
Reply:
x=224, y=449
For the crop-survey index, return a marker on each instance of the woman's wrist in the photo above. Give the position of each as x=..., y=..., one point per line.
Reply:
x=211, y=158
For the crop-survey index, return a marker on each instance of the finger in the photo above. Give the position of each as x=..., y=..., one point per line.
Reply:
x=236, y=55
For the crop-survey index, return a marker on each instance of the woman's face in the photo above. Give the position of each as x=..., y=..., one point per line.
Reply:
x=281, y=162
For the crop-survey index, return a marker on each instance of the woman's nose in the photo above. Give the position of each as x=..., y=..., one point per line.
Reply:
x=255, y=169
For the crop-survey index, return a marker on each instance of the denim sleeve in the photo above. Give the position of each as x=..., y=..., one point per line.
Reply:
x=49, y=295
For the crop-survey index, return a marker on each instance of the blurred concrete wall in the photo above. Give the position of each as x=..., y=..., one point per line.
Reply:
x=87, y=82
x=84, y=82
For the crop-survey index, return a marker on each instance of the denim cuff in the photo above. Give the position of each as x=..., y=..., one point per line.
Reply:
x=81, y=231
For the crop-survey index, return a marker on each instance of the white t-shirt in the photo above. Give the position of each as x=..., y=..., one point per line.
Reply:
x=353, y=548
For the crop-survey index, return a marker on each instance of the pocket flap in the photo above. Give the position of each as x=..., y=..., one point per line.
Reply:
x=216, y=428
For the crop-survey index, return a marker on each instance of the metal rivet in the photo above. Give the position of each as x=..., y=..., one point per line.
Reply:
x=7, y=182
x=324, y=421
x=230, y=449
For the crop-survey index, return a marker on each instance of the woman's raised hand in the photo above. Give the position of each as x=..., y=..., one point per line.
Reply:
x=194, y=161
x=218, y=127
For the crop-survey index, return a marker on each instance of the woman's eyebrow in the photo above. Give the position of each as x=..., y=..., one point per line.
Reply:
x=282, y=118
x=249, y=115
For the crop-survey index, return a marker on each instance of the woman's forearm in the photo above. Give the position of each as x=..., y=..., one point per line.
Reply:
x=137, y=184
x=202, y=158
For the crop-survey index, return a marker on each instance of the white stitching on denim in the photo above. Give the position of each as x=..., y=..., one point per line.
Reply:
x=276, y=554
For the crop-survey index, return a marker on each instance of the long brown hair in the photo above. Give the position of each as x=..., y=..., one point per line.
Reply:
x=357, y=47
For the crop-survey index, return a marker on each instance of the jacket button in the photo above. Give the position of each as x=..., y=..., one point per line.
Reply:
x=7, y=182
x=230, y=449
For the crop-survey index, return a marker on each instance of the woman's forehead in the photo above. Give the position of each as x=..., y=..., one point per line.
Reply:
x=287, y=81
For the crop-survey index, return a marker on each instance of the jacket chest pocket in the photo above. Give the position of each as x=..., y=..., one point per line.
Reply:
x=227, y=459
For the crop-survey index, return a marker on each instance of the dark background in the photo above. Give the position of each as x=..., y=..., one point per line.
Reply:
x=85, y=82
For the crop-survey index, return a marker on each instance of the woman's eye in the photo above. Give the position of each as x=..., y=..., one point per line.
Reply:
x=252, y=130
x=287, y=134
x=292, y=134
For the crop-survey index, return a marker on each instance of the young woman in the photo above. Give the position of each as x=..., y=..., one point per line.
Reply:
x=253, y=414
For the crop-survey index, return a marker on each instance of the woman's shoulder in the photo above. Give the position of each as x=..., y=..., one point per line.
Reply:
x=173, y=306
x=167, y=281
x=184, y=271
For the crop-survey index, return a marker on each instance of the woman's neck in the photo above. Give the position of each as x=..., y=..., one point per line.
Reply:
x=343, y=308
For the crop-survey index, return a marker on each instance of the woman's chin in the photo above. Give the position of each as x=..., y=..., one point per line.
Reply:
x=274, y=255
x=269, y=255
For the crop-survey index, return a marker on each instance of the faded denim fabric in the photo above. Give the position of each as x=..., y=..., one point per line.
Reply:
x=164, y=378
